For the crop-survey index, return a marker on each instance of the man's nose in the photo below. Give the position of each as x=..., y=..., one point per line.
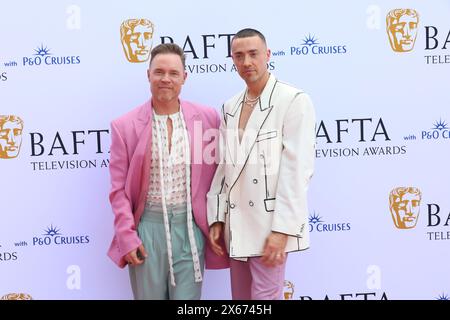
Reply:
x=165, y=77
x=247, y=60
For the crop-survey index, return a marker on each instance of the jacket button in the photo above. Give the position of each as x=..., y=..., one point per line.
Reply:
x=232, y=206
x=250, y=203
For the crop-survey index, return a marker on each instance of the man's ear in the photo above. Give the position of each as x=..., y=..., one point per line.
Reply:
x=148, y=74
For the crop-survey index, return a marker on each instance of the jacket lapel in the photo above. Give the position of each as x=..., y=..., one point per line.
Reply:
x=232, y=126
x=143, y=127
x=143, y=119
x=254, y=124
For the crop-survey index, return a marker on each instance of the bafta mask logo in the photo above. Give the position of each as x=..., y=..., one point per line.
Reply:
x=137, y=39
x=404, y=203
x=17, y=296
x=401, y=27
x=288, y=293
x=10, y=136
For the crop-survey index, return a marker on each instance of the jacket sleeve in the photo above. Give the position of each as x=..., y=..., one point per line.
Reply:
x=124, y=226
x=216, y=197
x=296, y=168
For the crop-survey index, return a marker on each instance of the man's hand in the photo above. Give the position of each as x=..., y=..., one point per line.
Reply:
x=136, y=257
x=273, y=253
x=214, y=235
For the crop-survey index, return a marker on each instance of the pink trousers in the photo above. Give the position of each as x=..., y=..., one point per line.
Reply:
x=252, y=280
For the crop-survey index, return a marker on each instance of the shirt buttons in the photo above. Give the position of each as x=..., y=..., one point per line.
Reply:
x=232, y=206
x=250, y=203
x=255, y=181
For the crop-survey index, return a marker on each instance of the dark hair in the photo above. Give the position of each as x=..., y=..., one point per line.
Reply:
x=249, y=32
x=168, y=48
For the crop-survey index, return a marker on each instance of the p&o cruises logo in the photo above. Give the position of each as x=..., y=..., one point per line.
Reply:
x=438, y=131
x=312, y=46
x=43, y=56
x=316, y=224
x=52, y=236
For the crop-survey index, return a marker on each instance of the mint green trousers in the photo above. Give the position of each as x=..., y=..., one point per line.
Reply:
x=151, y=280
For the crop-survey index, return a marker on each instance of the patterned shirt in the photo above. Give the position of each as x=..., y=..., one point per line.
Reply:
x=173, y=160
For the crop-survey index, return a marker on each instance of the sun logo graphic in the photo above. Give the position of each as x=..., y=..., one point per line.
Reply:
x=443, y=296
x=41, y=51
x=440, y=125
x=288, y=293
x=318, y=224
x=11, y=128
x=315, y=218
x=136, y=36
x=51, y=231
x=310, y=40
x=401, y=27
x=311, y=46
x=404, y=205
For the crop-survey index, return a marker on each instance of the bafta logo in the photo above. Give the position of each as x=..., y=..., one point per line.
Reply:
x=401, y=27
x=288, y=293
x=404, y=204
x=10, y=136
x=137, y=39
x=17, y=296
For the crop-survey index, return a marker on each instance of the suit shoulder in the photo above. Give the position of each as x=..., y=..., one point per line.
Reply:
x=201, y=108
x=130, y=115
x=287, y=88
x=235, y=98
x=209, y=114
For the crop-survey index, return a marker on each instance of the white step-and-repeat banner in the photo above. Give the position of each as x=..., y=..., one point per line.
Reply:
x=378, y=73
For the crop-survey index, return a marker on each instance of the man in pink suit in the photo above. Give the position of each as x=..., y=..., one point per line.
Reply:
x=162, y=163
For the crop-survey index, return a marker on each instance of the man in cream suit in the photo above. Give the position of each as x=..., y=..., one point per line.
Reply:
x=258, y=197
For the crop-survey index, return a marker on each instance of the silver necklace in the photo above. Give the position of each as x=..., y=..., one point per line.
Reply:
x=251, y=102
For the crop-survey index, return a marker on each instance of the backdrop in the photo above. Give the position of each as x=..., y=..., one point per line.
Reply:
x=379, y=79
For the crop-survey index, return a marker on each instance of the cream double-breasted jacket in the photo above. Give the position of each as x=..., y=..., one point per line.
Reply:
x=261, y=183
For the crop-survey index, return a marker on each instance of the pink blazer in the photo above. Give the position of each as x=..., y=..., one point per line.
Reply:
x=129, y=169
